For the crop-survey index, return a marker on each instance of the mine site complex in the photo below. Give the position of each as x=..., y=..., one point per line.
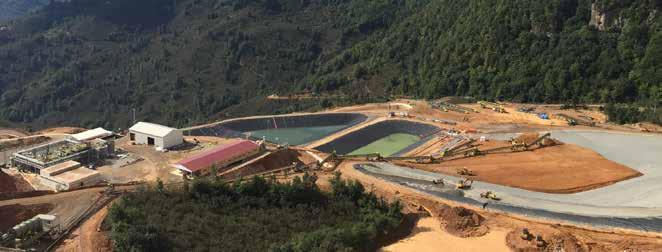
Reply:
x=512, y=176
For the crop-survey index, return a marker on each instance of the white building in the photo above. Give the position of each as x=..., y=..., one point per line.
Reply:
x=159, y=136
x=91, y=134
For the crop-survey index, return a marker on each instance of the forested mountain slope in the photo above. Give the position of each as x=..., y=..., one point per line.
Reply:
x=90, y=62
x=10, y=9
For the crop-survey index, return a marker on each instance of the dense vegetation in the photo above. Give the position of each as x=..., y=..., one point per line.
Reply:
x=257, y=215
x=188, y=61
x=10, y=9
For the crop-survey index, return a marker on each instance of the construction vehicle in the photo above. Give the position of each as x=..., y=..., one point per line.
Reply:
x=439, y=181
x=445, y=106
x=452, y=150
x=472, y=152
x=525, y=109
x=464, y=184
x=465, y=172
x=490, y=195
x=493, y=106
x=526, y=235
x=540, y=141
x=572, y=121
x=540, y=242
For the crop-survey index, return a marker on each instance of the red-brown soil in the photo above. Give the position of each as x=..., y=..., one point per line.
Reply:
x=460, y=221
x=12, y=184
x=563, y=168
x=12, y=215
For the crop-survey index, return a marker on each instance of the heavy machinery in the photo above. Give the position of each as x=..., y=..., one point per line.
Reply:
x=526, y=235
x=465, y=172
x=572, y=121
x=472, y=152
x=540, y=242
x=490, y=195
x=453, y=150
x=445, y=106
x=464, y=184
x=439, y=181
x=493, y=106
x=540, y=141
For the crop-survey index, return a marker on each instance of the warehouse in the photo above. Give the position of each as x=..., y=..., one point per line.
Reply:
x=221, y=157
x=159, y=136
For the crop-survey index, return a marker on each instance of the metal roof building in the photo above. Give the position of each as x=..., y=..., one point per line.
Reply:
x=159, y=136
x=220, y=156
x=91, y=134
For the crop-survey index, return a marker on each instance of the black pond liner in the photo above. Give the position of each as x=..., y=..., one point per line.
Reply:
x=653, y=224
x=362, y=137
x=238, y=128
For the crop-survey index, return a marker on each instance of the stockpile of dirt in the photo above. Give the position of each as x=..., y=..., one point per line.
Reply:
x=12, y=215
x=11, y=184
x=555, y=241
x=528, y=138
x=460, y=221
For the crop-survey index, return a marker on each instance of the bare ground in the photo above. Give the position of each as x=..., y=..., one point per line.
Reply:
x=12, y=215
x=12, y=184
x=500, y=224
x=563, y=168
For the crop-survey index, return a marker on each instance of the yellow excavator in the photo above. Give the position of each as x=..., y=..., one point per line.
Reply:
x=490, y=195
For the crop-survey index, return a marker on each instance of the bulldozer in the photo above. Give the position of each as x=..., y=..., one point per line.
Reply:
x=490, y=195
x=465, y=172
x=464, y=184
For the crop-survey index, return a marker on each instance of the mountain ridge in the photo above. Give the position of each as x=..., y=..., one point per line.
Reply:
x=189, y=61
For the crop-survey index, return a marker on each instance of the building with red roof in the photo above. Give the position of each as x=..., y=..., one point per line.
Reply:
x=221, y=157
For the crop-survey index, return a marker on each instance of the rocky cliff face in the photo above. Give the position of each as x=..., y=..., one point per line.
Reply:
x=605, y=19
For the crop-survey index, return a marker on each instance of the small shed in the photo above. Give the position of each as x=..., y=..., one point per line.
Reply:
x=159, y=136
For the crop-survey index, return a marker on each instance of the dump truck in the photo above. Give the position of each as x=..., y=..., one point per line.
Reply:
x=464, y=184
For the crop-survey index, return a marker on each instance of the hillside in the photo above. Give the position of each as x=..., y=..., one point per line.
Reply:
x=10, y=9
x=189, y=61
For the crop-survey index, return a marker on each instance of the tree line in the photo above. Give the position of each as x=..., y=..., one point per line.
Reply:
x=256, y=215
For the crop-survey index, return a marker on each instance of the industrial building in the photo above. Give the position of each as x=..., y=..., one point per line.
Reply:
x=221, y=157
x=41, y=157
x=91, y=134
x=69, y=175
x=159, y=136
